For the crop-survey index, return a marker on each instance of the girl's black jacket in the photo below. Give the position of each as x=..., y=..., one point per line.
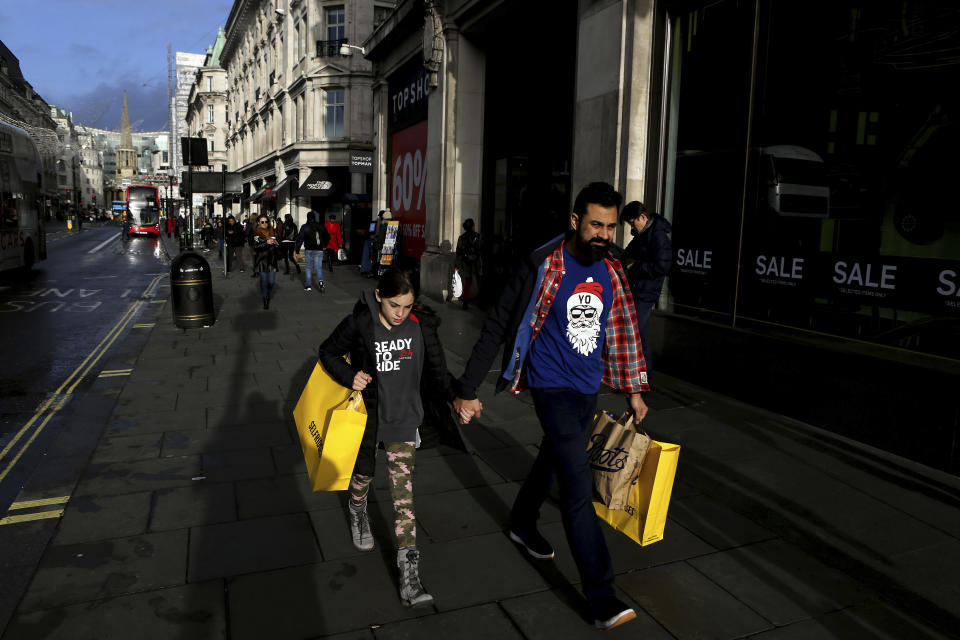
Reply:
x=354, y=337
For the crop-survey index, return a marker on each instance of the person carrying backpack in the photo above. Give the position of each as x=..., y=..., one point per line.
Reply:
x=313, y=237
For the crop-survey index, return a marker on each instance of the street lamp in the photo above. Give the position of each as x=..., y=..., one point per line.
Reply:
x=347, y=49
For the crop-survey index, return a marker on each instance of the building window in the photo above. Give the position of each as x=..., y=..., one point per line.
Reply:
x=209, y=113
x=297, y=33
x=333, y=121
x=380, y=14
x=335, y=19
x=209, y=83
x=211, y=143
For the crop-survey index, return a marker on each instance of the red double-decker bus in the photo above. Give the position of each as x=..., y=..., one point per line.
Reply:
x=143, y=210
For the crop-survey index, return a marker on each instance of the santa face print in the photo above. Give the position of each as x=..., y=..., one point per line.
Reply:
x=584, y=308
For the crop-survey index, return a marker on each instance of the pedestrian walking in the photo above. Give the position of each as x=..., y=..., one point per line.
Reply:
x=583, y=332
x=265, y=249
x=391, y=348
x=250, y=229
x=235, y=242
x=288, y=240
x=313, y=236
x=468, y=260
x=336, y=241
x=647, y=259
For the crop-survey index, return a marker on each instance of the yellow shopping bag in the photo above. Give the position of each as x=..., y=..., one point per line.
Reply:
x=330, y=422
x=645, y=515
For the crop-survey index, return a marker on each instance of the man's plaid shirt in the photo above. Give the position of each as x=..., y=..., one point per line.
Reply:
x=624, y=367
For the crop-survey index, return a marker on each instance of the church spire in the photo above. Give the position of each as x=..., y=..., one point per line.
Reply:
x=126, y=138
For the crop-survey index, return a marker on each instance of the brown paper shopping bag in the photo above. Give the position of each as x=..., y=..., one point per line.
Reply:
x=616, y=450
x=645, y=515
x=330, y=422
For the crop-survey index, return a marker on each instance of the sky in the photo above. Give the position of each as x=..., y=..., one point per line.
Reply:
x=82, y=55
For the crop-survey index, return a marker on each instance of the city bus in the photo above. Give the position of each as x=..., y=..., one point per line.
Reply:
x=143, y=210
x=23, y=239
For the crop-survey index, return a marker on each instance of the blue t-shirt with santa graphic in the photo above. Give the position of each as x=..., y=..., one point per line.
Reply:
x=568, y=350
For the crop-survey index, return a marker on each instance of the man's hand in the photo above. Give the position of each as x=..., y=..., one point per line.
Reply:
x=638, y=406
x=361, y=380
x=296, y=253
x=467, y=409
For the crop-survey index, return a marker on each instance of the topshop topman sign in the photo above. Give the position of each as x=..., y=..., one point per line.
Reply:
x=361, y=162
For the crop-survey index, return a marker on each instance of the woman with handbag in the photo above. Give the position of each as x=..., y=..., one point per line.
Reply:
x=265, y=249
x=391, y=348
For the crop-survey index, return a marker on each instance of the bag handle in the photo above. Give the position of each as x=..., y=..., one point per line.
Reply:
x=627, y=420
x=354, y=401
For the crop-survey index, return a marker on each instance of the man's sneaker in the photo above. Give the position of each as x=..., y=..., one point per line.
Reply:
x=307, y=288
x=535, y=544
x=320, y=287
x=412, y=593
x=360, y=528
x=609, y=612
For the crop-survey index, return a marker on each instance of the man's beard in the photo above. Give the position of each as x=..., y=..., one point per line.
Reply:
x=583, y=336
x=594, y=249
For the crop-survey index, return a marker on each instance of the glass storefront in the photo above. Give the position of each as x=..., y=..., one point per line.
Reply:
x=808, y=169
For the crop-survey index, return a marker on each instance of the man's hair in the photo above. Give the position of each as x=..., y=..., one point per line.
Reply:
x=333, y=216
x=599, y=193
x=632, y=211
x=396, y=282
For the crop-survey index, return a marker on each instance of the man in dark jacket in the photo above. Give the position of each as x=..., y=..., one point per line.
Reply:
x=647, y=259
x=235, y=243
x=566, y=322
x=314, y=237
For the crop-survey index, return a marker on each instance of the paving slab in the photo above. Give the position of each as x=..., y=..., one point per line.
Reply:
x=111, y=478
x=316, y=600
x=76, y=573
x=877, y=621
x=453, y=624
x=230, y=466
x=14, y=583
x=689, y=605
x=191, y=612
x=780, y=582
x=140, y=421
x=283, y=494
x=488, y=568
x=713, y=522
x=122, y=448
x=89, y=518
x=198, y=504
x=179, y=443
x=248, y=546
x=563, y=615
x=446, y=473
x=513, y=463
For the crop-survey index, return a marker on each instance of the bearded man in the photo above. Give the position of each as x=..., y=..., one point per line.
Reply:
x=567, y=322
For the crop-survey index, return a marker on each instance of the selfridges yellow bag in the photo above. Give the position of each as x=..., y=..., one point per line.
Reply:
x=645, y=515
x=330, y=422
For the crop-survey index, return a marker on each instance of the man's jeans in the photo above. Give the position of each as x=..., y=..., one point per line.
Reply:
x=314, y=262
x=565, y=415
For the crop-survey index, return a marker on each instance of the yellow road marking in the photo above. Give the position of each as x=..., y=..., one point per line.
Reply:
x=29, y=504
x=27, y=517
x=58, y=399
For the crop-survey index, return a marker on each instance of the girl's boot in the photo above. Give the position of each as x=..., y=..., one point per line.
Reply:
x=412, y=593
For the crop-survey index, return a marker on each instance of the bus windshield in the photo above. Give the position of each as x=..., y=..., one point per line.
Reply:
x=142, y=204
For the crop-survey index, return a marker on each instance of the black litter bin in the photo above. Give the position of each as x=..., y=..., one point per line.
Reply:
x=191, y=291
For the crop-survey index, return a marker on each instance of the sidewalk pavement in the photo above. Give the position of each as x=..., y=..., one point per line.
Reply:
x=192, y=516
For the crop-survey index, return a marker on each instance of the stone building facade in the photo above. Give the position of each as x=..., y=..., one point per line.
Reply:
x=207, y=117
x=299, y=112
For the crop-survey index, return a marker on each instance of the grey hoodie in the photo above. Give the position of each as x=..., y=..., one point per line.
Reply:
x=399, y=354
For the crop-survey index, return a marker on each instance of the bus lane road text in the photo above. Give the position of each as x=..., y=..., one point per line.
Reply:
x=53, y=300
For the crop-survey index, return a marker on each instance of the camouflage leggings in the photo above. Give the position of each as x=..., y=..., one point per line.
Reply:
x=400, y=457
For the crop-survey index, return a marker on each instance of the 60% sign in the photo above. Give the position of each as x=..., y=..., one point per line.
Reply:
x=409, y=175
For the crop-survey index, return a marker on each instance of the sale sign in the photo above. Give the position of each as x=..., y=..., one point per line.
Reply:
x=408, y=186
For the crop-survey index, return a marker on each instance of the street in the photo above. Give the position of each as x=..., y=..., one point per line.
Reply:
x=56, y=324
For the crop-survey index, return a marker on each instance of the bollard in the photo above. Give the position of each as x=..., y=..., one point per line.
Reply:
x=69, y=223
x=191, y=291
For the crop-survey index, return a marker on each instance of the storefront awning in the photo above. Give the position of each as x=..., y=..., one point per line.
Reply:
x=318, y=184
x=276, y=189
x=261, y=192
